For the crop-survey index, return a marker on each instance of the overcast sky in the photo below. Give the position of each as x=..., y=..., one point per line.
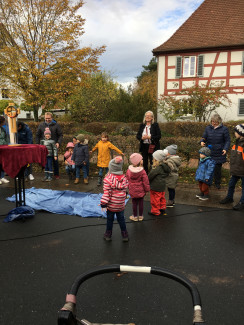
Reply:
x=131, y=29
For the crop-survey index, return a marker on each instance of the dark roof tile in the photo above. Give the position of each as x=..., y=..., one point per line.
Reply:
x=215, y=24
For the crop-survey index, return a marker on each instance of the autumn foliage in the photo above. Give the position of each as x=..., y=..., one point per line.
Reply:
x=40, y=52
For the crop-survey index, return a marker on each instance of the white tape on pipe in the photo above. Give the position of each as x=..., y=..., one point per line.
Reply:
x=129, y=268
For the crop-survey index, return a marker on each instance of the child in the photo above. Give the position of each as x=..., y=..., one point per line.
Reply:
x=173, y=161
x=204, y=173
x=138, y=185
x=81, y=158
x=114, y=186
x=104, y=147
x=157, y=179
x=69, y=163
x=236, y=168
x=52, y=154
x=3, y=140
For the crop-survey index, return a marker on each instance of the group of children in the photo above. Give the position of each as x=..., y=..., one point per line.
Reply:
x=164, y=174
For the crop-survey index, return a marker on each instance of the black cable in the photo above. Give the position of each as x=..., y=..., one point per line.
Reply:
x=86, y=226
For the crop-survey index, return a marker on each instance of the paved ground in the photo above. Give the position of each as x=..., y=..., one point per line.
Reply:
x=42, y=256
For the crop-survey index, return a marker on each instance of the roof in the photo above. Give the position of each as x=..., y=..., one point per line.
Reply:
x=215, y=24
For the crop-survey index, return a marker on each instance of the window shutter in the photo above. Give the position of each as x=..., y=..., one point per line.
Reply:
x=242, y=67
x=200, y=65
x=241, y=106
x=178, y=67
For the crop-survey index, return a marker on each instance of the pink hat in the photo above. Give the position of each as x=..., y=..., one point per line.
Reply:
x=47, y=131
x=135, y=158
x=70, y=145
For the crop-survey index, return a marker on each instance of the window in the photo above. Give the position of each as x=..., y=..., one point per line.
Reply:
x=241, y=106
x=5, y=93
x=189, y=66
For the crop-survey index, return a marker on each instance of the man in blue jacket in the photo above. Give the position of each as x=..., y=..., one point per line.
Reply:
x=56, y=135
x=24, y=136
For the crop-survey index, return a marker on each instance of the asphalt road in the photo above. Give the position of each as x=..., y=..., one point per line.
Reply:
x=41, y=257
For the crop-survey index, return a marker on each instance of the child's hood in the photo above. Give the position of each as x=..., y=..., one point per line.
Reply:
x=117, y=181
x=176, y=159
x=135, y=170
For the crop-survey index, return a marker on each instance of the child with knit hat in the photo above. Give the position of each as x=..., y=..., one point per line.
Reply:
x=236, y=168
x=138, y=185
x=52, y=154
x=115, y=185
x=204, y=173
x=174, y=162
x=157, y=180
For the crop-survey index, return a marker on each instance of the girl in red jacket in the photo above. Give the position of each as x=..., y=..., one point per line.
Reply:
x=138, y=185
x=113, y=200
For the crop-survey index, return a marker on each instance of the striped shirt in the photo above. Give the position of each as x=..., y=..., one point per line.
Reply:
x=114, y=188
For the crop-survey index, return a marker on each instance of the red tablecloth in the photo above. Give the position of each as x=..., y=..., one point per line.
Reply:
x=14, y=157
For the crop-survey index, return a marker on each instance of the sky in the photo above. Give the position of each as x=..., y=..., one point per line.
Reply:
x=130, y=30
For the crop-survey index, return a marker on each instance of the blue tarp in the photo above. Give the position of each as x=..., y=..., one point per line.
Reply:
x=64, y=202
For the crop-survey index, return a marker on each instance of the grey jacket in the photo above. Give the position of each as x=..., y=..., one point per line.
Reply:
x=174, y=163
x=51, y=147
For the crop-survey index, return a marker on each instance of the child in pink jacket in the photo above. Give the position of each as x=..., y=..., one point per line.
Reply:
x=138, y=185
x=69, y=163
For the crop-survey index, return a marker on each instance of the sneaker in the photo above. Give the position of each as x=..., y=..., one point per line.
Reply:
x=57, y=176
x=199, y=195
x=108, y=235
x=239, y=206
x=226, y=200
x=0, y=182
x=31, y=177
x=204, y=197
x=134, y=218
x=4, y=180
x=170, y=204
x=125, y=236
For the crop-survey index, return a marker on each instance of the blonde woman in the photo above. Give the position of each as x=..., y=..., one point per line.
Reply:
x=148, y=134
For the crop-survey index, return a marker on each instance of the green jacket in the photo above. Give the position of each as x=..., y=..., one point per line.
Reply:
x=157, y=177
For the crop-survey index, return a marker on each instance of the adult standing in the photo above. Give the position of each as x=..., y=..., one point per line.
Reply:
x=148, y=134
x=217, y=135
x=24, y=136
x=56, y=135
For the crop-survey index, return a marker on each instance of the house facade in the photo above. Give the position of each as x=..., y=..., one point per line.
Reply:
x=207, y=49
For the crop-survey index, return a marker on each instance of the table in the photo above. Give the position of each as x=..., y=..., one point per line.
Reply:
x=15, y=158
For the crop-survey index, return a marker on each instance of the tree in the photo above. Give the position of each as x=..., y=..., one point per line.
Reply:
x=91, y=102
x=40, y=54
x=198, y=101
x=146, y=85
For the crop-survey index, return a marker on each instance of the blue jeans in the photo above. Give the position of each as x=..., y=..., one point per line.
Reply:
x=101, y=169
x=77, y=171
x=120, y=218
x=70, y=169
x=49, y=164
x=232, y=184
x=56, y=167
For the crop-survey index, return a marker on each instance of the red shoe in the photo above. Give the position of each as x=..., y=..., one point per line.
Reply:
x=57, y=176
